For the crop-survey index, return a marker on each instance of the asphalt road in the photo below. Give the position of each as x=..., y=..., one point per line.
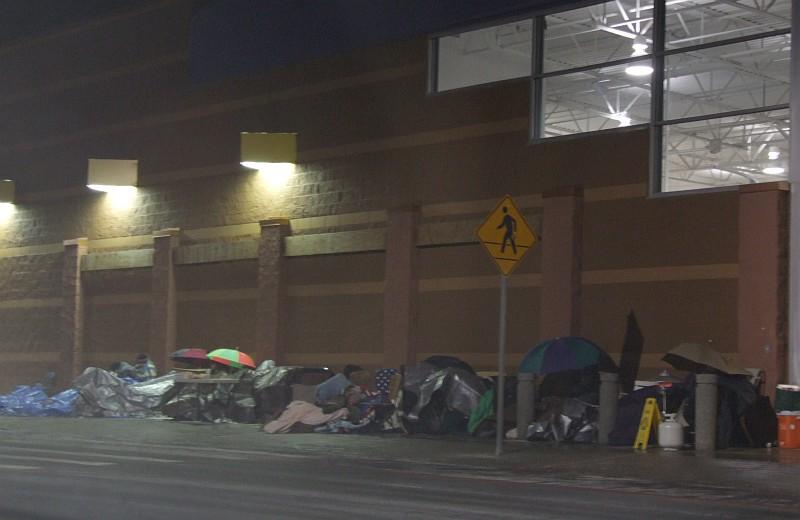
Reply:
x=68, y=476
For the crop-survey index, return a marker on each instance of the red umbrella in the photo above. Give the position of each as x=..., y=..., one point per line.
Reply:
x=190, y=354
x=232, y=358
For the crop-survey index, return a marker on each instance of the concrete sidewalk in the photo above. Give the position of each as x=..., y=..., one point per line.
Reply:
x=752, y=476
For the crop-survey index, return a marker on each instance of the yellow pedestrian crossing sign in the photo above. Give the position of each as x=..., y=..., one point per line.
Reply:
x=506, y=236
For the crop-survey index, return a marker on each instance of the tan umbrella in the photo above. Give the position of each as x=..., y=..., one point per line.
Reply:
x=696, y=357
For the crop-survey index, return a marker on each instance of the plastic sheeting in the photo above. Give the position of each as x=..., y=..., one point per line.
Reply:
x=462, y=391
x=440, y=401
x=220, y=402
x=268, y=374
x=569, y=419
x=272, y=386
x=259, y=395
x=102, y=394
x=33, y=401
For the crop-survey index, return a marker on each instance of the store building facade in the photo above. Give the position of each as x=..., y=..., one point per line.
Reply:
x=648, y=143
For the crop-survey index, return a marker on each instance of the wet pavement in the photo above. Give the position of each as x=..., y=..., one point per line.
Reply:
x=45, y=462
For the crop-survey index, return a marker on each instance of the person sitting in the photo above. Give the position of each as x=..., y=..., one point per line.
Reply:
x=145, y=368
x=123, y=369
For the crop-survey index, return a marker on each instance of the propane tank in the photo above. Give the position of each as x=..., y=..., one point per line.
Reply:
x=670, y=433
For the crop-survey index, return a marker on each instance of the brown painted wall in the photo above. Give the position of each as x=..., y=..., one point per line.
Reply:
x=117, y=315
x=210, y=325
x=212, y=310
x=641, y=232
x=669, y=313
x=369, y=139
x=456, y=318
x=650, y=235
x=335, y=309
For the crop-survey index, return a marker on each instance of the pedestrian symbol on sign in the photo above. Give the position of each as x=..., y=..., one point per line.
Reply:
x=506, y=236
x=511, y=228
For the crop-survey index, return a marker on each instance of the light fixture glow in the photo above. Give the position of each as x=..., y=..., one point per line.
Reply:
x=773, y=170
x=120, y=190
x=270, y=167
x=622, y=118
x=639, y=69
x=275, y=176
x=119, y=198
x=6, y=210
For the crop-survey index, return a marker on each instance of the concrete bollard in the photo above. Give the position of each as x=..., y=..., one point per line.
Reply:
x=526, y=400
x=609, y=396
x=705, y=413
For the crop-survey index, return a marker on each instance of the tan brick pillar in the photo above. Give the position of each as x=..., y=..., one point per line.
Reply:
x=163, y=303
x=400, y=292
x=72, y=312
x=763, y=279
x=272, y=297
x=562, y=225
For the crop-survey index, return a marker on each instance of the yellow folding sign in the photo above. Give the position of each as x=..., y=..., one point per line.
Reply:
x=506, y=236
x=650, y=417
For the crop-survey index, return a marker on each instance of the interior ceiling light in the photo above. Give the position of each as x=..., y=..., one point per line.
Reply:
x=774, y=170
x=113, y=175
x=775, y=167
x=642, y=68
x=773, y=154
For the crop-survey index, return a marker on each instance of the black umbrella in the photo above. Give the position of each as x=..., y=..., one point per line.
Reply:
x=442, y=362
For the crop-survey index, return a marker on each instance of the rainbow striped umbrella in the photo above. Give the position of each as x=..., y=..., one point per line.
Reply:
x=231, y=357
x=569, y=353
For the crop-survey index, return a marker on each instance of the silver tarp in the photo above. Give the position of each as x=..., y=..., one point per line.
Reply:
x=102, y=394
x=462, y=390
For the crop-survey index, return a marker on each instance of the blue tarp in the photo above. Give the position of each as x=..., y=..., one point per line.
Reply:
x=32, y=401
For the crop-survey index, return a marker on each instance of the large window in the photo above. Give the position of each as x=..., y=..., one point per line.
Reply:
x=484, y=55
x=725, y=151
x=724, y=119
x=594, y=99
x=709, y=77
x=594, y=71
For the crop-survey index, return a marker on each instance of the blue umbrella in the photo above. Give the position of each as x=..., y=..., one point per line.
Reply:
x=568, y=353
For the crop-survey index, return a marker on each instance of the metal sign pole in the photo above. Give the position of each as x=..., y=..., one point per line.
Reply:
x=501, y=368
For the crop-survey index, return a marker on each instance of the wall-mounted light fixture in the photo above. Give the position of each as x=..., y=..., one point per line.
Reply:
x=113, y=175
x=118, y=178
x=7, y=200
x=274, y=155
x=268, y=152
x=6, y=191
